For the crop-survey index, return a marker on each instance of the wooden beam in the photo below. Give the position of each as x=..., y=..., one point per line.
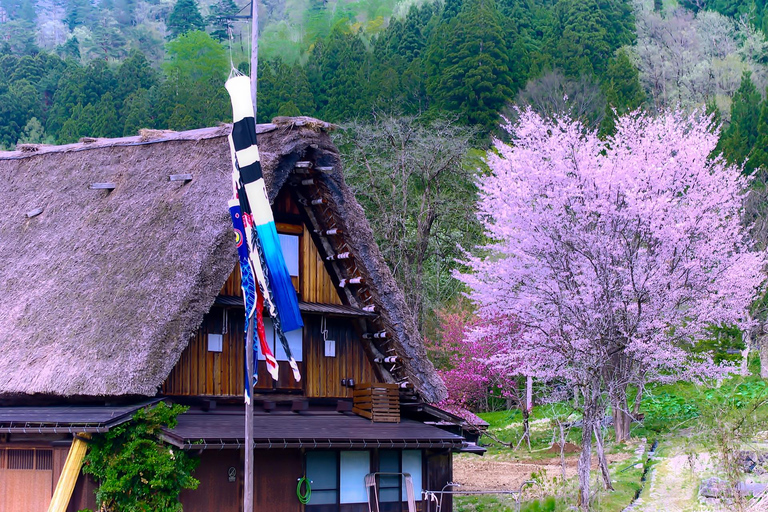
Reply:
x=69, y=474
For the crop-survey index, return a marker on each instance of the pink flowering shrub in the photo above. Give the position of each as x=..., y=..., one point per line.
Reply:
x=468, y=365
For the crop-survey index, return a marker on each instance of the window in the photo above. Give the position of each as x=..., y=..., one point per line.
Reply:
x=323, y=474
x=354, y=467
x=338, y=478
x=290, y=246
x=295, y=343
x=389, y=485
x=33, y=459
x=412, y=465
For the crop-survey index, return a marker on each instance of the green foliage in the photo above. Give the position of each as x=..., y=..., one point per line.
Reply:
x=722, y=340
x=193, y=95
x=220, y=18
x=185, y=17
x=472, y=69
x=664, y=410
x=136, y=471
x=739, y=138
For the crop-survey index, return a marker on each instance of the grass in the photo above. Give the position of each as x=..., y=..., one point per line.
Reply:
x=673, y=414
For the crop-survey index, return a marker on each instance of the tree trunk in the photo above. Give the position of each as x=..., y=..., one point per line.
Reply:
x=562, y=451
x=601, y=458
x=764, y=357
x=584, y=462
x=526, y=429
x=621, y=423
x=622, y=420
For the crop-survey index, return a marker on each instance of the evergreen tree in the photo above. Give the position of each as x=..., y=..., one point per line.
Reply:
x=184, y=17
x=622, y=90
x=105, y=120
x=135, y=73
x=79, y=13
x=136, y=112
x=220, y=18
x=738, y=140
x=70, y=49
x=758, y=157
x=579, y=38
x=475, y=80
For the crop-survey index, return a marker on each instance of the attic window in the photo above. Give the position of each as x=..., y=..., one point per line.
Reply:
x=290, y=246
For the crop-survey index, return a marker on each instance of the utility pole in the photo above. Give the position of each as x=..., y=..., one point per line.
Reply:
x=249, y=362
x=248, y=473
x=254, y=53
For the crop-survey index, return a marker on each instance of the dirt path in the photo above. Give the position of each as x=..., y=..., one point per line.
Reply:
x=673, y=486
x=494, y=472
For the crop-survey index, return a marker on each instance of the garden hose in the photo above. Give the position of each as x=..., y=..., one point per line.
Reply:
x=303, y=496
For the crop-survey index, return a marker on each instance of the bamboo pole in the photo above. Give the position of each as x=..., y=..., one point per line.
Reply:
x=254, y=52
x=69, y=474
x=248, y=473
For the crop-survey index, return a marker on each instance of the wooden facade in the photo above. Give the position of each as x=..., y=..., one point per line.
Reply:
x=28, y=476
x=201, y=372
x=221, y=482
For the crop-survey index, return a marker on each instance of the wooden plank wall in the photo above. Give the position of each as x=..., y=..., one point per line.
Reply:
x=274, y=480
x=326, y=373
x=314, y=283
x=216, y=492
x=200, y=372
x=439, y=471
x=26, y=479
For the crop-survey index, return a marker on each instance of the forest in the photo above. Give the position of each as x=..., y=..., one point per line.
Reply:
x=454, y=104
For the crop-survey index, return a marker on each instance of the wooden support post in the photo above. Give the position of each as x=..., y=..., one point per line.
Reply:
x=69, y=474
x=254, y=52
x=248, y=472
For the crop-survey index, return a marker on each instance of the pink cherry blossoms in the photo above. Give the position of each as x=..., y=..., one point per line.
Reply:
x=613, y=256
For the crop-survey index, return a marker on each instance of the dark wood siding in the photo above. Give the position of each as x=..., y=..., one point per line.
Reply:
x=215, y=491
x=275, y=478
x=200, y=372
x=325, y=373
x=439, y=471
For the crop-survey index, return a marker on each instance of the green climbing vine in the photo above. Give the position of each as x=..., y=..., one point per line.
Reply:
x=136, y=470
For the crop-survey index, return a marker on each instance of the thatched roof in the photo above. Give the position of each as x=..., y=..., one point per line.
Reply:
x=100, y=293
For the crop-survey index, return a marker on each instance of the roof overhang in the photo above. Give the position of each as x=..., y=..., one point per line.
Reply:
x=311, y=308
x=66, y=419
x=314, y=430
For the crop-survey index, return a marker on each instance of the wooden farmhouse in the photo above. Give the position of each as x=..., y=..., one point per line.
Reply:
x=119, y=288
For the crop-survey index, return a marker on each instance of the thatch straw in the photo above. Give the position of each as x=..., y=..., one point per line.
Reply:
x=101, y=292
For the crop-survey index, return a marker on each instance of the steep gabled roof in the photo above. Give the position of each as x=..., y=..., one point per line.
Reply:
x=100, y=293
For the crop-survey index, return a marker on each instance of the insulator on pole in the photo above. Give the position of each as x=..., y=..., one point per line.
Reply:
x=317, y=201
x=387, y=359
x=375, y=335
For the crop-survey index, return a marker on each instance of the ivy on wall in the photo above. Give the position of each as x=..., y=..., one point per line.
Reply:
x=136, y=470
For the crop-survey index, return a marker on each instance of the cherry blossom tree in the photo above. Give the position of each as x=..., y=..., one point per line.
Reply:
x=613, y=256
